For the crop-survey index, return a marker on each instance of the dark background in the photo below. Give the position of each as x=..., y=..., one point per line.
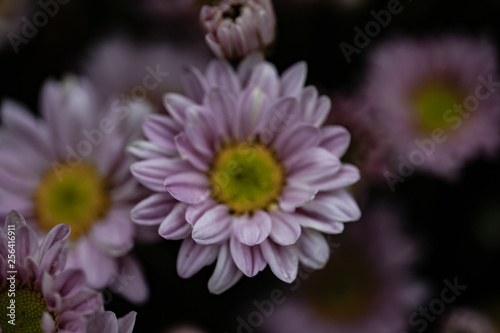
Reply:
x=458, y=223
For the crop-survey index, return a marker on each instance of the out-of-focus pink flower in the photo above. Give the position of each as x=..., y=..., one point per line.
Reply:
x=245, y=173
x=368, y=285
x=71, y=167
x=118, y=68
x=436, y=100
x=236, y=28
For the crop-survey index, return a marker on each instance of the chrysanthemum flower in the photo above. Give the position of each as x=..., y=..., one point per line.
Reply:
x=245, y=173
x=465, y=320
x=236, y=28
x=436, y=100
x=366, y=287
x=71, y=167
x=47, y=297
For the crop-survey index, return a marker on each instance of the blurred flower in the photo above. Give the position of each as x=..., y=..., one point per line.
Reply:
x=235, y=28
x=366, y=287
x=367, y=151
x=71, y=167
x=436, y=100
x=106, y=322
x=117, y=67
x=47, y=297
x=245, y=173
x=465, y=320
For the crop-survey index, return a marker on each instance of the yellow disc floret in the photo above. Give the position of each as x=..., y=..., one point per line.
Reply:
x=27, y=310
x=432, y=103
x=246, y=176
x=78, y=198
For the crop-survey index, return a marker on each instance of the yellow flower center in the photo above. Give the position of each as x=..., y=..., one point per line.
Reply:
x=79, y=197
x=346, y=289
x=25, y=312
x=246, y=176
x=433, y=100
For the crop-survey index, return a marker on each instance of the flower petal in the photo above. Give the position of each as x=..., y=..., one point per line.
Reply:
x=252, y=230
x=193, y=257
x=248, y=259
x=313, y=249
x=294, y=139
x=152, y=173
x=283, y=260
x=226, y=273
x=293, y=79
x=174, y=225
x=265, y=76
x=220, y=74
x=153, y=209
x=335, y=206
x=190, y=187
x=213, y=227
x=194, y=84
x=335, y=139
x=286, y=229
x=190, y=154
x=161, y=130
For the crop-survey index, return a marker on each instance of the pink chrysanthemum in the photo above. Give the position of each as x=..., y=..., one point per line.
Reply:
x=235, y=28
x=245, y=173
x=71, y=167
x=436, y=101
x=44, y=297
x=366, y=287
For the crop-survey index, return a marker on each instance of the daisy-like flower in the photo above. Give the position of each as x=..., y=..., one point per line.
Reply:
x=47, y=297
x=71, y=167
x=236, y=28
x=366, y=287
x=436, y=100
x=467, y=321
x=245, y=173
